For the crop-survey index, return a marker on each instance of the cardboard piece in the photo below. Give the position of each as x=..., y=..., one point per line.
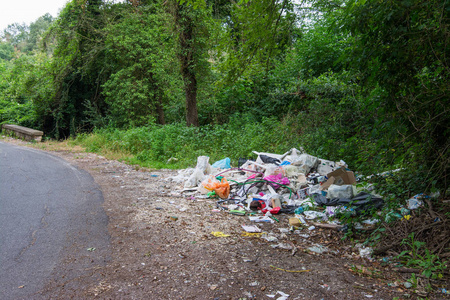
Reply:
x=294, y=222
x=339, y=177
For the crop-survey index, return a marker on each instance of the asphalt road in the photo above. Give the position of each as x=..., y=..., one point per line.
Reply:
x=50, y=215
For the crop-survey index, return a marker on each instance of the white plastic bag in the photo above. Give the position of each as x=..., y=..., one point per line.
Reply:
x=340, y=191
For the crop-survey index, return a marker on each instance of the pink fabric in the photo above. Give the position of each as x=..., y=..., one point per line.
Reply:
x=252, y=176
x=277, y=178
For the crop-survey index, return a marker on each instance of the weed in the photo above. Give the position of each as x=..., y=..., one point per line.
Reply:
x=430, y=264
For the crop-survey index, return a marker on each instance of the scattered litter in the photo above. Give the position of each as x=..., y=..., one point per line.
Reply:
x=261, y=219
x=407, y=284
x=91, y=249
x=311, y=214
x=294, y=222
x=269, y=237
x=219, y=234
x=289, y=271
x=318, y=249
x=252, y=234
x=252, y=228
x=237, y=212
x=255, y=283
x=416, y=202
x=314, y=191
x=282, y=246
x=284, y=296
x=364, y=252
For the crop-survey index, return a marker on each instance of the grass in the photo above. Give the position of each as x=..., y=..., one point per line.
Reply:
x=177, y=146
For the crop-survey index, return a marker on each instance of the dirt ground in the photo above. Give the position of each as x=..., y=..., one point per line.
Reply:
x=161, y=247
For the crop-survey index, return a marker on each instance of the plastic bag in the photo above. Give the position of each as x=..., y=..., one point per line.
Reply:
x=222, y=164
x=306, y=162
x=203, y=167
x=311, y=214
x=195, y=178
x=415, y=202
x=203, y=164
x=222, y=188
x=277, y=178
x=292, y=171
x=273, y=170
x=340, y=191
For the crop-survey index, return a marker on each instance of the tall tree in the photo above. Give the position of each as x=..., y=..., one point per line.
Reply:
x=78, y=60
x=192, y=30
x=257, y=33
x=401, y=48
x=141, y=50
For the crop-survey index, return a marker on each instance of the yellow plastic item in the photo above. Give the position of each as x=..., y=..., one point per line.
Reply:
x=219, y=234
x=252, y=234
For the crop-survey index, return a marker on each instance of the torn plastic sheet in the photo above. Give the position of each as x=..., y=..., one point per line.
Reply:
x=203, y=167
x=362, y=201
x=252, y=228
x=319, y=249
x=284, y=296
x=311, y=214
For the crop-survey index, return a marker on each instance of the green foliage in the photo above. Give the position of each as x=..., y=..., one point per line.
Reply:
x=6, y=51
x=400, y=46
x=26, y=38
x=17, y=113
x=429, y=263
x=319, y=51
x=256, y=33
x=153, y=145
x=24, y=86
x=144, y=74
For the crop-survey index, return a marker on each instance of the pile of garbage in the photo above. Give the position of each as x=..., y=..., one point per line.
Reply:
x=294, y=183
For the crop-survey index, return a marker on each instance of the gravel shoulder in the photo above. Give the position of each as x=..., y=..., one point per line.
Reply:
x=161, y=247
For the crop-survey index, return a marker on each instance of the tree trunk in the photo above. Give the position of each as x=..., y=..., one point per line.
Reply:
x=190, y=88
x=160, y=111
x=185, y=25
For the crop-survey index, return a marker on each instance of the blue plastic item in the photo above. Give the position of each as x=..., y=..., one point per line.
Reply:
x=299, y=210
x=285, y=163
x=222, y=164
